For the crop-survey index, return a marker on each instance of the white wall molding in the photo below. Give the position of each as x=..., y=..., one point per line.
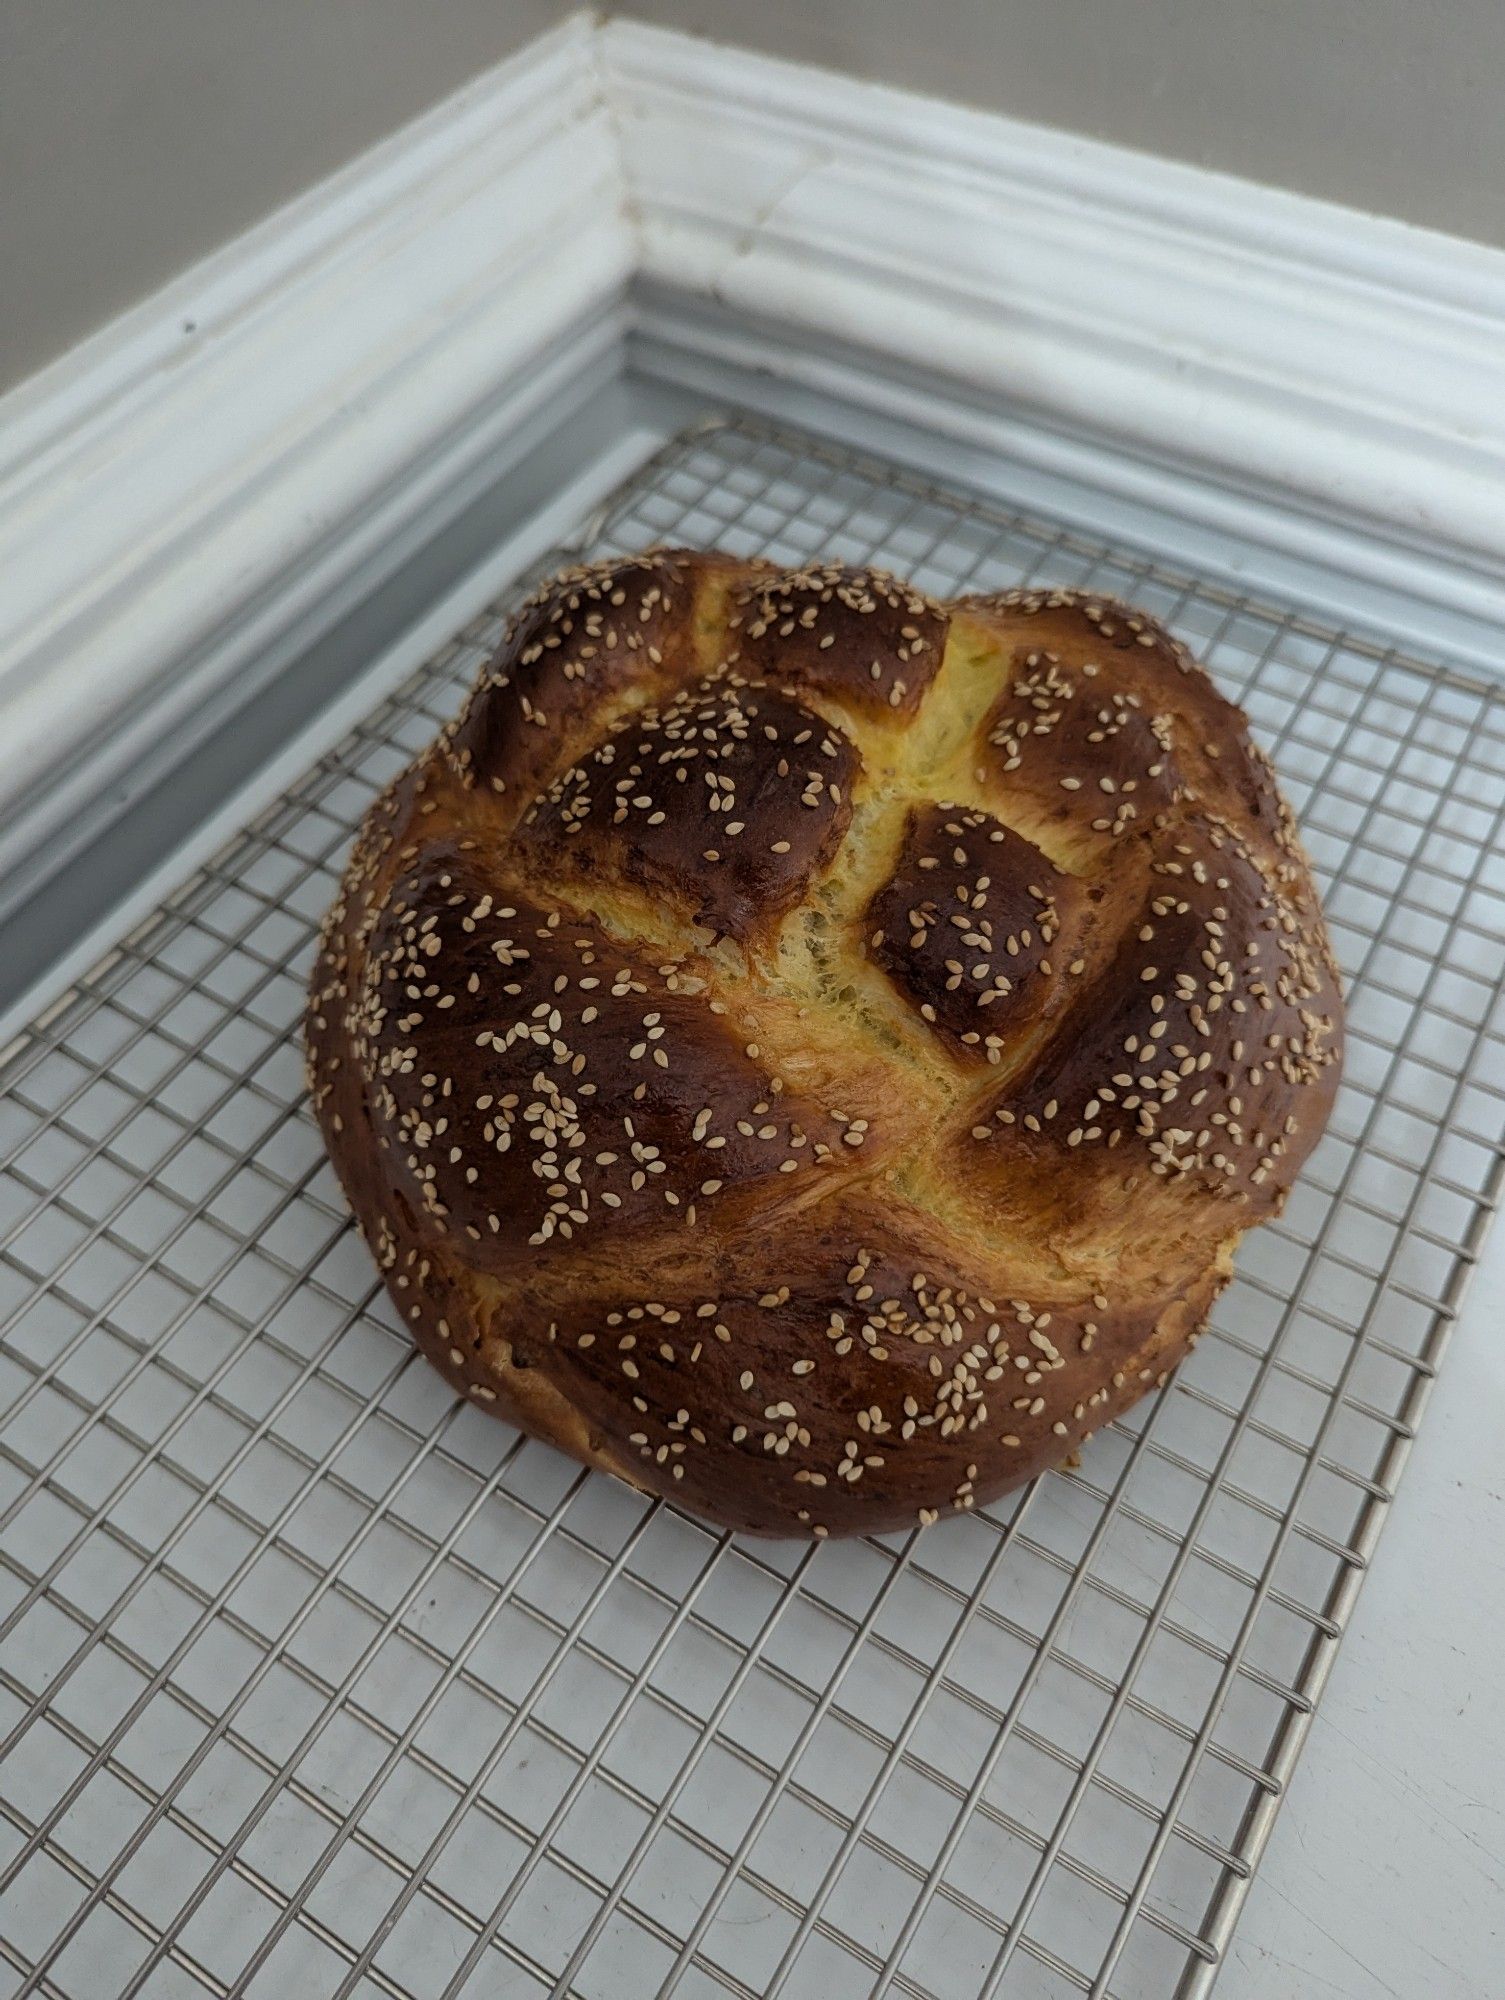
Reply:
x=1427, y=599
x=1354, y=363
x=187, y=479
x=204, y=472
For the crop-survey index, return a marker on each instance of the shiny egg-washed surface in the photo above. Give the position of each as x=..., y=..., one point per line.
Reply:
x=812, y=1048
x=316, y=1680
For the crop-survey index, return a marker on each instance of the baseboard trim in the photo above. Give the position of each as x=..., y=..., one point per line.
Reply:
x=1353, y=364
x=204, y=470
x=112, y=851
x=1401, y=590
x=225, y=464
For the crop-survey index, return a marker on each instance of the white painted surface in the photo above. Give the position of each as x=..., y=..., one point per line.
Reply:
x=1333, y=357
x=408, y=649
x=239, y=440
x=1427, y=599
x=1301, y=96
x=244, y=438
x=1385, y=1872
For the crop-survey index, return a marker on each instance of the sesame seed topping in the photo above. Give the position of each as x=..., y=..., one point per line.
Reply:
x=533, y=1069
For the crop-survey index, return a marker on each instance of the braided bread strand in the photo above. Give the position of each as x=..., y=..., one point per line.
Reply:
x=811, y=1049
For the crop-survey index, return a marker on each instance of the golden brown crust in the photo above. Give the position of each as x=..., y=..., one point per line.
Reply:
x=971, y=925
x=683, y=800
x=858, y=634
x=811, y=1050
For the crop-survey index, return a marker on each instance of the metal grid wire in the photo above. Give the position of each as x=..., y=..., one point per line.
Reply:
x=316, y=1682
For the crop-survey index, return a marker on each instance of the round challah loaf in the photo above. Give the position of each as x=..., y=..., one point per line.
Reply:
x=812, y=1050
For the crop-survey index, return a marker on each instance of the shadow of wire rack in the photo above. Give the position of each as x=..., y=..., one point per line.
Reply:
x=314, y=1682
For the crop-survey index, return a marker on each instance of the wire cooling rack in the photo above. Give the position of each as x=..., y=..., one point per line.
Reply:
x=315, y=1682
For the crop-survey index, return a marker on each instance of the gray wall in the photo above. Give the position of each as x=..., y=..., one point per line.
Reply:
x=1396, y=106
x=136, y=135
